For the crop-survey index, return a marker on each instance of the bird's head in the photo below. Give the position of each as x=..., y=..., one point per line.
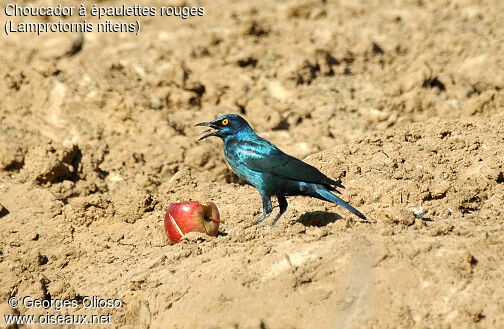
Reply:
x=226, y=125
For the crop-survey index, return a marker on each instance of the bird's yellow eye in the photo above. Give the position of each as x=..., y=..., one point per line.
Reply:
x=225, y=122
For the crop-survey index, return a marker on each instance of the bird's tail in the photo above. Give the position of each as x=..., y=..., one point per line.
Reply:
x=328, y=196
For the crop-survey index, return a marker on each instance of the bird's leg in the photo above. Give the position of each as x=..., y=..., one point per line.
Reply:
x=267, y=209
x=282, y=204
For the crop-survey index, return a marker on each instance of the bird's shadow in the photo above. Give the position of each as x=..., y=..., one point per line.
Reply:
x=3, y=211
x=320, y=218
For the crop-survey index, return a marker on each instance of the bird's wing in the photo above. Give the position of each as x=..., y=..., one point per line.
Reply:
x=265, y=157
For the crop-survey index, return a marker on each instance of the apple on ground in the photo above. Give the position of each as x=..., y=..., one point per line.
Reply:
x=182, y=218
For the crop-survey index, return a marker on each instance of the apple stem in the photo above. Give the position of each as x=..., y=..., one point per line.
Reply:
x=176, y=226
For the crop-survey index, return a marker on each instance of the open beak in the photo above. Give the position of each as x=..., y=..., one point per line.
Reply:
x=214, y=129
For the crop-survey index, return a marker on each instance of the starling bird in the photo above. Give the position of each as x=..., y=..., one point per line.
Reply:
x=272, y=172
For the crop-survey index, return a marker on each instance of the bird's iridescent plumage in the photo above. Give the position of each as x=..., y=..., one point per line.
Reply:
x=271, y=171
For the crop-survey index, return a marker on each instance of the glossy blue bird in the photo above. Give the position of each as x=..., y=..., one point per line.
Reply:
x=272, y=172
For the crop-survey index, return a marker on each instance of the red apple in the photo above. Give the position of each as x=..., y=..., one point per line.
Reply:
x=193, y=216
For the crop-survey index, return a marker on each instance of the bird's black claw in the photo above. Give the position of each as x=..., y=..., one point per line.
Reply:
x=260, y=219
x=257, y=221
x=276, y=219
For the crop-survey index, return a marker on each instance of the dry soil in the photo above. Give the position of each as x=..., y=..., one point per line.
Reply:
x=403, y=101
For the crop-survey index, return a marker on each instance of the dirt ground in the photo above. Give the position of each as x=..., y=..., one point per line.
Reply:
x=401, y=100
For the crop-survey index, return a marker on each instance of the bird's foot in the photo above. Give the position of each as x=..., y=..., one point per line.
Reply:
x=282, y=203
x=260, y=219
x=276, y=219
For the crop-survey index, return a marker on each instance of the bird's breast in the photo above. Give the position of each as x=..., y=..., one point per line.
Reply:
x=235, y=156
